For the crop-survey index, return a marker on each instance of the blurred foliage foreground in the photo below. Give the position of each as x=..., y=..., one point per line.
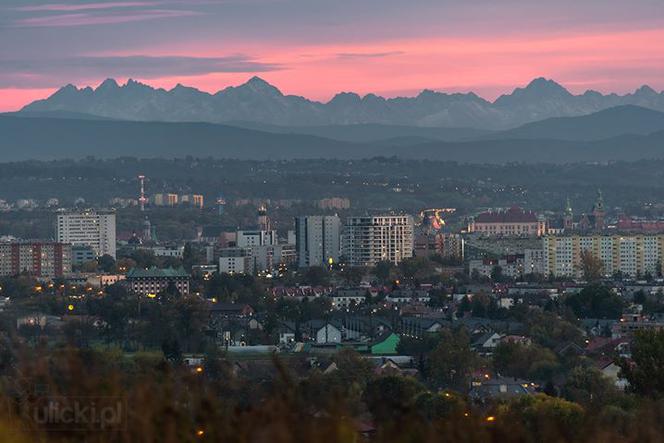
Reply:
x=154, y=399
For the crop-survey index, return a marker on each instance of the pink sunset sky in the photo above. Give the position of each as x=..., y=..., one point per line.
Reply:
x=318, y=48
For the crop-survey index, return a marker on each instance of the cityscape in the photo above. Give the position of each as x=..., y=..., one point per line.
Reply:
x=296, y=221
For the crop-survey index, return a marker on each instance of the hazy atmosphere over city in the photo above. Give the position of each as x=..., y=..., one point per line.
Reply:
x=331, y=221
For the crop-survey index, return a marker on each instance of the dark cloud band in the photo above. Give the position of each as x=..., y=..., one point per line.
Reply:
x=54, y=72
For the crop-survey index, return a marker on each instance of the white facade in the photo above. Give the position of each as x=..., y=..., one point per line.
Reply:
x=168, y=252
x=328, y=334
x=88, y=228
x=268, y=258
x=235, y=261
x=533, y=261
x=369, y=240
x=317, y=240
x=340, y=301
x=235, y=265
x=512, y=266
x=247, y=239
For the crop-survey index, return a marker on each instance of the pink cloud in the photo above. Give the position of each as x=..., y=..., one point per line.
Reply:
x=85, y=19
x=487, y=65
x=62, y=7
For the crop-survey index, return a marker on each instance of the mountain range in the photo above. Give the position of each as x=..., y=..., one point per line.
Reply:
x=258, y=102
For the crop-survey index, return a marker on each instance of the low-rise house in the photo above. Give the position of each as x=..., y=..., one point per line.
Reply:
x=346, y=298
x=486, y=343
x=416, y=309
x=417, y=327
x=103, y=280
x=516, y=339
x=408, y=295
x=477, y=325
x=569, y=349
x=532, y=289
x=387, y=366
x=299, y=293
x=364, y=327
x=500, y=387
x=323, y=332
x=598, y=327
x=611, y=370
x=505, y=302
x=286, y=331
x=630, y=323
x=229, y=310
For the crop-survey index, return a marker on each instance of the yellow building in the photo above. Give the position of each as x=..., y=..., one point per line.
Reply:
x=165, y=199
x=195, y=200
x=629, y=254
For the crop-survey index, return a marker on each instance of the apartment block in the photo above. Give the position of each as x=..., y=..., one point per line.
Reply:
x=88, y=228
x=629, y=254
x=317, y=240
x=40, y=259
x=368, y=240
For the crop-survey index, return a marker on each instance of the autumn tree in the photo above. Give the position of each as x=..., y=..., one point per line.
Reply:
x=452, y=361
x=390, y=398
x=596, y=301
x=591, y=266
x=644, y=370
x=588, y=386
x=525, y=361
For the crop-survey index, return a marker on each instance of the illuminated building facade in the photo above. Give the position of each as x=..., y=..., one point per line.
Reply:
x=370, y=239
x=632, y=255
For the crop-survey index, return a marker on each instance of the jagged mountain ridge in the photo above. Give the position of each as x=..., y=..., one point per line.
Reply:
x=260, y=102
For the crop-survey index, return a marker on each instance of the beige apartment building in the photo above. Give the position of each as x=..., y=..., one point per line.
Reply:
x=629, y=254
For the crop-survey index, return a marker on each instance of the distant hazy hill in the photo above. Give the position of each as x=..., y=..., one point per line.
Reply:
x=259, y=102
x=54, y=114
x=623, y=148
x=57, y=138
x=371, y=132
x=613, y=122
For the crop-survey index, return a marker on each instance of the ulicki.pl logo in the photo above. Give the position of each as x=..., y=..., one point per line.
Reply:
x=54, y=413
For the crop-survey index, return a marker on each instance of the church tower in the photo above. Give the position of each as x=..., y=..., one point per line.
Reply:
x=568, y=216
x=598, y=212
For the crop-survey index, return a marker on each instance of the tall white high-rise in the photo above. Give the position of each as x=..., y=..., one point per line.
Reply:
x=368, y=240
x=317, y=240
x=90, y=228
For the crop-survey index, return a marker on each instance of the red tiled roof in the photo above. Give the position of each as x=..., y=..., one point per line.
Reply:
x=603, y=343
